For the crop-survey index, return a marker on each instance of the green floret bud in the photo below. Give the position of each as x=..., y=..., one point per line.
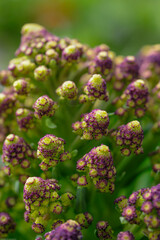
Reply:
x=68, y=90
x=66, y=199
x=42, y=73
x=21, y=87
x=31, y=27
x=135, y=126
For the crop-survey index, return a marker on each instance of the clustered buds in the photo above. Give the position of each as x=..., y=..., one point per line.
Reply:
x=68, y=230
x=72, y=53
x=84, y=219
x=95, y=88
x=21, y=87
x=41, y=73
x=125, y=236
x=6, y=78
x=137, y=96
x=98, y=163
x=143, y=207
x=7, y=224
x=67, y=90
x=7, y=103
x=126, y=70
x=25, y=119
x=104, y=230
x=16, y=152
x=44, y=106
x=129, y=137
x=51, y=151
x=92, y=125
x=102, y=63
x=38, y=194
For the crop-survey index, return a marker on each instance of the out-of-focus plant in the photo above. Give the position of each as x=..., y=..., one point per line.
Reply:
x=79, y=125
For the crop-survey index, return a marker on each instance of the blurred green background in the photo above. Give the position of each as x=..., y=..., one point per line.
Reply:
x=125, y=25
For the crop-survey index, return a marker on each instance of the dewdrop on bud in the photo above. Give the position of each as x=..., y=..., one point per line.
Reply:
x=44, y=106
x=93, y=125
x=42, y=73
x=67, y=90
x=50, y=151
x=21, y=87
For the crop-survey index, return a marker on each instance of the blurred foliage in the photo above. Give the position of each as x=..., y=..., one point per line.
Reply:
x=125, y=25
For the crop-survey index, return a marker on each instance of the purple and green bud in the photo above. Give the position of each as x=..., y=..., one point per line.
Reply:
x=84, y=219
x=67, y=90
x=72, y=53
x=104, y=230
x=6, y=78
x=42, y=73
x=143, y=209
x=25, y=119
x=68, y=230
x=51, y=151
x=7, y=103
x=129, y=137
x=7, y=224
x=93, y=125
x=95, y=88
x=125, y=236
x=21, y=87
x=98, y=164
x=44, y=106
x=102, y=63
x=126, y=70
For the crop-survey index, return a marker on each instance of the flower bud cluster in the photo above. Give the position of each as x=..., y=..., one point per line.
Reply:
x=155, y=160
x=25, y=119
x=129, y=137
x=7, y=103
x=137, y=96
x=104, y=230
x=98, y=164
x=7, y=224
x=95, y=88
x=38, y=194
x=51, y=151
x=16, y=152
x=125, y=236
x=93, y=125
x=102, y=63
x=67, y=90
x=44, y=106
x=68, y=230
x=21, y=86
x=150, y=63
x=126, y=70
x=143, y=207
x=84, y=219
x=6, y=78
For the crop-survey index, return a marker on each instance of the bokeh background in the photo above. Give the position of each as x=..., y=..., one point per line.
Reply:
x=125, y=25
